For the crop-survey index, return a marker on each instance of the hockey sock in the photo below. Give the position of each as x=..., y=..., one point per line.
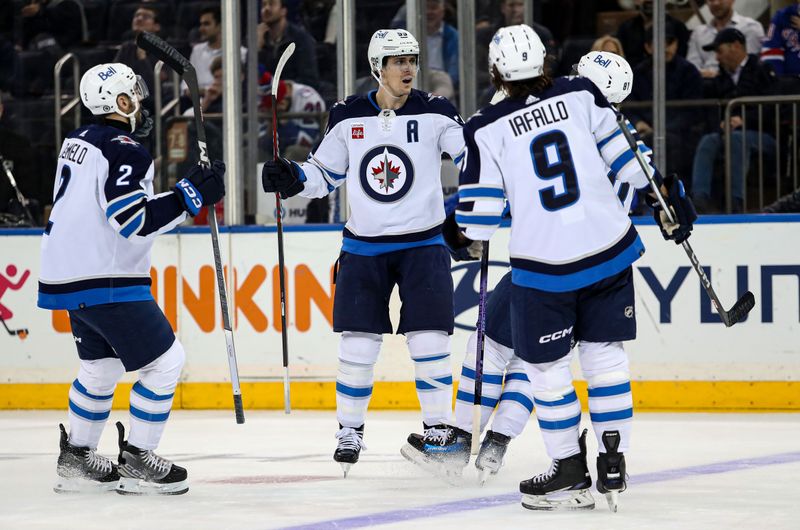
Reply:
x=605, y=367
x=151, y=397
x=90, y=398
x=557, y=407
x=430, y=351
x=358, y=353
x=495, y=359
x=516, y=401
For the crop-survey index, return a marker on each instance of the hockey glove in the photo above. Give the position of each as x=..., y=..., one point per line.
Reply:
x=460, y=247
x=682, y=208
x=202, y=187
x=282, y=176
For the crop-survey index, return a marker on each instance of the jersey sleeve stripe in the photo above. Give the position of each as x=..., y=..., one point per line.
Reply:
x=608, y=138
x=123, y=202
x=480, y=220
x=472, y=193
x=132, y=226
x=457, y=160
x=621, y=161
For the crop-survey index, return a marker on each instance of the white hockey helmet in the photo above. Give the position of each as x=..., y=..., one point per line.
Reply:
x=517, y=52
x=390, y=43
x=611, y=73
x=101, y=85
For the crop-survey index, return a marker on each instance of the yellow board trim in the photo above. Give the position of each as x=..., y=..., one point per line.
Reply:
x=660, y=396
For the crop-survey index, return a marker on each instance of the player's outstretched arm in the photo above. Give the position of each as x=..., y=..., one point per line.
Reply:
x=138, y=216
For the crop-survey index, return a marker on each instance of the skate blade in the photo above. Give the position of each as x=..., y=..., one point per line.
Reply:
x=82, y=485
x=561, y=500
x=134, y=486
x=451, y=475
x=345, y=467
x=612, y=498
x=483, y=474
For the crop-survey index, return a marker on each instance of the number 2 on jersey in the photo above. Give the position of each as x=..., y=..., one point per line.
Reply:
x=552, y=159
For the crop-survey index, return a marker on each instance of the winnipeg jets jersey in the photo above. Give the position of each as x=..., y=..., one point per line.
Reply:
x=391, y=162
x=549, y=155
x=96, y=246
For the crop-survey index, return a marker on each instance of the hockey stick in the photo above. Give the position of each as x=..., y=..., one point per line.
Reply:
x=22, y=333
x=287, y=405
x=179, y=63
x=481, y=335
x=744, y=304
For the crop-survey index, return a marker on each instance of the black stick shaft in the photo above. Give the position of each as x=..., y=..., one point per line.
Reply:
x=287, y=406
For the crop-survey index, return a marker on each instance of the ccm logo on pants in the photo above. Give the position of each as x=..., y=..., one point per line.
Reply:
x=555, y=336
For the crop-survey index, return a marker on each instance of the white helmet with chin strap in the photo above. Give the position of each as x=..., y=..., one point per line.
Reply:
x=101, y=85
x=517, y=52
x=389, y=43
x=611, y=73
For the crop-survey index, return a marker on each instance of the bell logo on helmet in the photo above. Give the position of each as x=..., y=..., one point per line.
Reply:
x=108, y=73
x=602, y=62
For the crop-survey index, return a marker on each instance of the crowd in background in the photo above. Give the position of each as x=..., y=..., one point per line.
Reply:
x=724, y=56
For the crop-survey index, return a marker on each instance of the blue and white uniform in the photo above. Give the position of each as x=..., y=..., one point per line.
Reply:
x=390, y=162
x=572, y=246
x=96, y=264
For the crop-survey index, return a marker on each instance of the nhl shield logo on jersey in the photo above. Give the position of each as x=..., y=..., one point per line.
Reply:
x=387, y=173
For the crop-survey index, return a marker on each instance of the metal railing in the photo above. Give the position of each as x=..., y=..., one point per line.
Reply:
x=72, y=104
x=785, y=123
x=759, y=101
x=161, y=110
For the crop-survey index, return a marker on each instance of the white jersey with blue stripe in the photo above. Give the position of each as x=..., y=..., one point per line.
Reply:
x=550, y=156
x=392, y=169
x=96, y=246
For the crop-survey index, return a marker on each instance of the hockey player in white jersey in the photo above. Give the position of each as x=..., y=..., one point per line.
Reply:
x=572, y=246
x=96, y=265
x=506, y=390
x=387, y=146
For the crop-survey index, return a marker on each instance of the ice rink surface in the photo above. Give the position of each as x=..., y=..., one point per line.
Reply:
x=276, y=471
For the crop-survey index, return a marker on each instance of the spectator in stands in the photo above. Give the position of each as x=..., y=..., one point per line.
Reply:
x=442, y=41
x=275, y=33
x=607, y=43
x=683, y=82
x=145, y=18
x=205, y=52
x=47, y=24
x=631, y=33
x=782, y=43
x=724, y=16
x=739, y=75
x=17, y=155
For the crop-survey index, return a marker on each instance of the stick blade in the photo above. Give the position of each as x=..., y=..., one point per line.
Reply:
x=159, y=48
x=740, y=309
x=279, y=69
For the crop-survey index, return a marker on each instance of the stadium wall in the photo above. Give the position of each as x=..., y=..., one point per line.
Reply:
x=684, y=357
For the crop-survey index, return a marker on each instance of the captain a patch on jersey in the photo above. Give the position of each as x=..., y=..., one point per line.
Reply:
x=386, y=173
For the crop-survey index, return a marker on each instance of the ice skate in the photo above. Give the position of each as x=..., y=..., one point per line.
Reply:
x=443, y=451
x=490, y=457
x=565, y=486
x=142, y=472
x=611, y=470
x=351, y=441
x=82, y=470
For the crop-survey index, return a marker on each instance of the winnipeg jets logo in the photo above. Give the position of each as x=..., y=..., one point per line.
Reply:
x=386, y=173
x=124, y=140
